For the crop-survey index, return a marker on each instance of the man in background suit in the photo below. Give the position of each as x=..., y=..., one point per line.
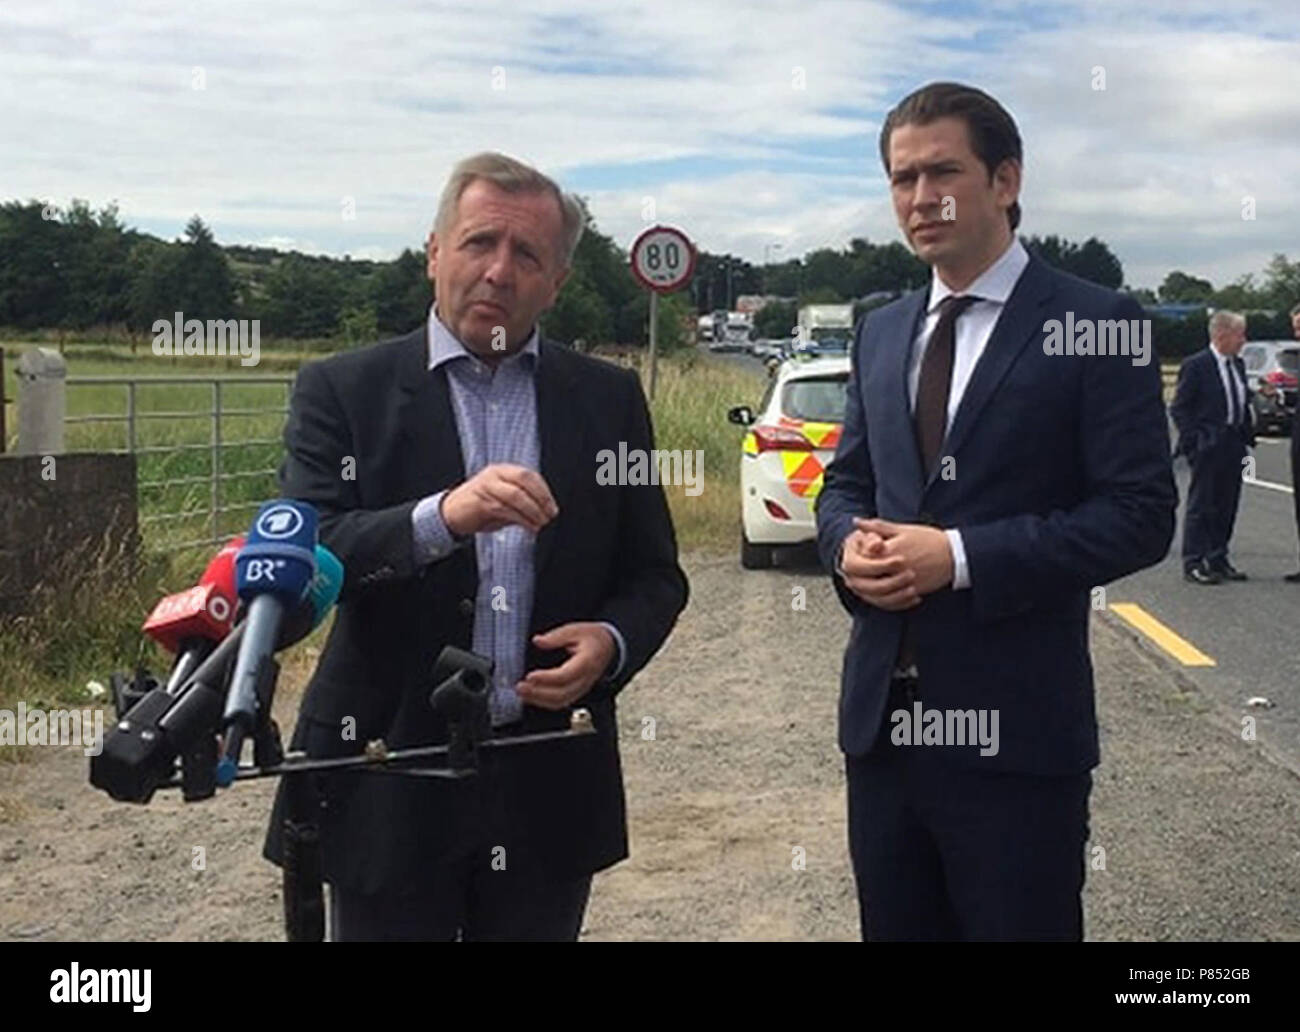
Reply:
x=1294, y=578
x=474, y=518
x=1212, y=411
x=984, y=484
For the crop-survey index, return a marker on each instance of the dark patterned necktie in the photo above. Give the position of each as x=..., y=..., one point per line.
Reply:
x=931, y=415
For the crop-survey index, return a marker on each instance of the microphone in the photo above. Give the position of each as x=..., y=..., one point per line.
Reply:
x=311, y=610
x=272, y=571
x=190, y=623
x=141, y=749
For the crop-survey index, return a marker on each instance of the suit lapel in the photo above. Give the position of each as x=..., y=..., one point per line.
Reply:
x=427, y=424
x=1021, y=319
x=560, y=431
x=911, y=315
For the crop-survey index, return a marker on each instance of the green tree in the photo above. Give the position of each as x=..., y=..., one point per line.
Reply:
x=154, y=273
x=205, y=289
x=775, y=319
x=402, y=293
x=31, y=283
x=1241, y=295
x=828, y=274
x=1092, y=260
x=1281, y=282
x=302, y=298
x=1180, y=288
x=580, y=312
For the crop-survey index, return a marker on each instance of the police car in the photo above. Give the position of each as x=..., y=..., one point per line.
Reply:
x=789, y=441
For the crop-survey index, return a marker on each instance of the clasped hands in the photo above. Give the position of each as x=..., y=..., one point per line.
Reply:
x=892, y=565
x=502, y=495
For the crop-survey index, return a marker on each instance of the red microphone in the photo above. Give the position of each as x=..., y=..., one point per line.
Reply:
x=190, y=623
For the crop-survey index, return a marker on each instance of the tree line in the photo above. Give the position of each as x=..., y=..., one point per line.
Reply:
x=76, y=269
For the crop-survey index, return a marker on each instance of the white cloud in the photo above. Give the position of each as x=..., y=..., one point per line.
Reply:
x=305, y=104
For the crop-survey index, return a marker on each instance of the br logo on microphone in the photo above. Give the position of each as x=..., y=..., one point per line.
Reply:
x=263, y=569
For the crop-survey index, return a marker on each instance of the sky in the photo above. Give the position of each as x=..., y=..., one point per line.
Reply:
x=330, y=126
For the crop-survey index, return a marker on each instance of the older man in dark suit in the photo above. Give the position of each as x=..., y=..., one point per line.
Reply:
x=1212, y=411
x=474, y=517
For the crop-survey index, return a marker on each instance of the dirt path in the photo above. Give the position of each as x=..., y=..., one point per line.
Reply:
x=1201, y=831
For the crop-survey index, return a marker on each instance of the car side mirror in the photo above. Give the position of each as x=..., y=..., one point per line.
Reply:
x=741, y=415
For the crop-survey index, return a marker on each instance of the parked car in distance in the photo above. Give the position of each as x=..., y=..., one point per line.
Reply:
x=1273, y=373
x=789, y=440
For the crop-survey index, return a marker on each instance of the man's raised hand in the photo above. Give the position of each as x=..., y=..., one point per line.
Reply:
x=497, y=496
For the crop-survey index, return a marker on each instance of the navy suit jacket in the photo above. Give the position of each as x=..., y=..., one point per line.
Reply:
x=1062, y=482
x=1200, y=408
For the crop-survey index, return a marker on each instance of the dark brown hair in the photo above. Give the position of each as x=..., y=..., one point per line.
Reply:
x=993, y=134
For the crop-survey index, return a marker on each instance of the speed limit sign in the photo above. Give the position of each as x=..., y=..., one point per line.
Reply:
x=663, y=259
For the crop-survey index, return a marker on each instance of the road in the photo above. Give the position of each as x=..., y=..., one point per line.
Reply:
x=736, y=806
x=1247, y=630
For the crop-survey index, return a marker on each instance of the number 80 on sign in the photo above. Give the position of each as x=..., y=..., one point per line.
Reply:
x=663, y=259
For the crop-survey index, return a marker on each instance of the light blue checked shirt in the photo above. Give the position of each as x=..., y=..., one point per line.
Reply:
x=496, y=416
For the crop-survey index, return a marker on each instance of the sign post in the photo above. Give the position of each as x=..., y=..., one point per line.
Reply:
x=663, y=260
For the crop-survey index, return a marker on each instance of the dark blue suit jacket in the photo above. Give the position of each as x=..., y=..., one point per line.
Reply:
x=1200, y=408
x=1063, y=482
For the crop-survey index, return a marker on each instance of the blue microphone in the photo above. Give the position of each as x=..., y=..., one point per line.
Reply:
x=315, y=605
x=272, y=572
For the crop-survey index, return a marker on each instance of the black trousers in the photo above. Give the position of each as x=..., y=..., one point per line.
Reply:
x=1295, y=467
x=1212, y=500
x=468, y=899
x=485, y=892
x=942, y=852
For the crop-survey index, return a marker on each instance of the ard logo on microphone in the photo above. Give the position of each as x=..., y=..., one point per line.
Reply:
x=282, y=521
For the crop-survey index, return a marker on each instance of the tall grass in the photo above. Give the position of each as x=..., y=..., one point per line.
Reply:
x=689, y=409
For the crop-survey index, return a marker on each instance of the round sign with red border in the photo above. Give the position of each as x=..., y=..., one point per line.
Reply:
x=663, y=259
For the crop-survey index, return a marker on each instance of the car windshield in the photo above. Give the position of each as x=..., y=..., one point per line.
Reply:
x=816, y=399
x=1289, y=360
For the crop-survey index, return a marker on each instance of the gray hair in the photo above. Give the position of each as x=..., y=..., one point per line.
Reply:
x=1223, y=320
x=513, y=177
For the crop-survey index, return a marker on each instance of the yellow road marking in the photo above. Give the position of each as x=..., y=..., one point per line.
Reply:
x=1180, y=648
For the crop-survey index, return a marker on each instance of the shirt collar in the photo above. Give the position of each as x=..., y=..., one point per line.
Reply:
x=993, y=284
x=444, y=346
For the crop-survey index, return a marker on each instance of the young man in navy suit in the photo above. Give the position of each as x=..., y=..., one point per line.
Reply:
x=1211, y=409
x=994, y=469
x=1294, y=578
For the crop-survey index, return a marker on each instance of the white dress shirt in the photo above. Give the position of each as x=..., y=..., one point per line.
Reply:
x=1231, y=385
x=972, y=331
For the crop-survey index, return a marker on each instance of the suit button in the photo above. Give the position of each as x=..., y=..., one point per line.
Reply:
x=467, y=607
